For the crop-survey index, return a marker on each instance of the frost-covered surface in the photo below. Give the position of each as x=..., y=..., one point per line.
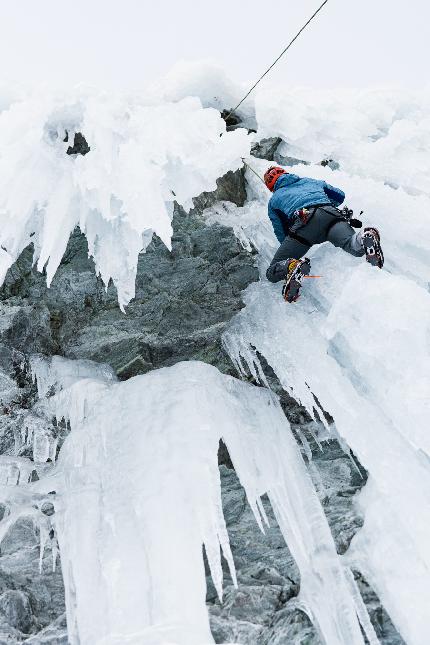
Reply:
x=138, y=483
x=358, y=339
x=210, y=83
x=137, y=480
x=143, y=156
x=379, y=134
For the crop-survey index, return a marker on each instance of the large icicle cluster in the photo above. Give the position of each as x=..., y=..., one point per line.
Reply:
x=142, y=157
x=138, y=484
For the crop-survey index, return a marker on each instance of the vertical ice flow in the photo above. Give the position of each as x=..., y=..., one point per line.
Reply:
x=141, y=487
x=357, y=345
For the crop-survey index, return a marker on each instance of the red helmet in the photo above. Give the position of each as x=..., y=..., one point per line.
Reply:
x=272, y=175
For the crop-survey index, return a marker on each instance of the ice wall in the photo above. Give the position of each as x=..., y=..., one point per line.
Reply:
x=359, y=339
x=381, y=134
x=137, y=482
x=143, y=156
x=139, y=491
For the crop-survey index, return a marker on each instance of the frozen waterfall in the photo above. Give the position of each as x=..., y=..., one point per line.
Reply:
x=138, y=493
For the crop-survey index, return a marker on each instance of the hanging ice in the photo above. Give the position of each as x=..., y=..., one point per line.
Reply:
x=141, y=491
x=142, y=158
x=138, y=483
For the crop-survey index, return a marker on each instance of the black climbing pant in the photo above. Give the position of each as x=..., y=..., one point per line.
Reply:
x=325, y=225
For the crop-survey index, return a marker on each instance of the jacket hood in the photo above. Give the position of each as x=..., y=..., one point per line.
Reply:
x=285, y=180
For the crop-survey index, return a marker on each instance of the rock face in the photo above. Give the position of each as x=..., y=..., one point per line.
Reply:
x=29, y=601
x=184, y=300
x=263, y=610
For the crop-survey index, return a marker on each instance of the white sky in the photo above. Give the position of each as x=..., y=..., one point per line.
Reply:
x=127, y=43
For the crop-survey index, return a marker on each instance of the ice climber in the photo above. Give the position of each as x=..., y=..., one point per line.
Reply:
x=305, y=212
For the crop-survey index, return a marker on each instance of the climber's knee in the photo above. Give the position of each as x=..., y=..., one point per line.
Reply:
x=344, y=237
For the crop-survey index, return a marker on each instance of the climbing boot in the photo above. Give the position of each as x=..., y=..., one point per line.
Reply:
x=297, y=270
x=370, y=240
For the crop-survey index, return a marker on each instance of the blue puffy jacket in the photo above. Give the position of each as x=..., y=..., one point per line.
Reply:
x=291, y=193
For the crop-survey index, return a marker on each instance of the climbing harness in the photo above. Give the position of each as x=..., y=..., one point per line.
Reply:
x=274, y=62
x=346, y=215
x=304, y=215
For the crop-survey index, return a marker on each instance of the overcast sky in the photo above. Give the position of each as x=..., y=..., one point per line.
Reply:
x=127, y=43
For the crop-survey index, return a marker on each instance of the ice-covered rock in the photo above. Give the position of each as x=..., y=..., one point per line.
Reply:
x=360, y=351
x=15, y=608
x=185, y=300
x=153, y=467
x=143, y=158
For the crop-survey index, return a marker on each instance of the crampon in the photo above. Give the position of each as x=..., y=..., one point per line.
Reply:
x=297, y=271
x=372, y=246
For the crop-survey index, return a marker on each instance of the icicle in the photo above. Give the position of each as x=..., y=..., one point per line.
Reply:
x=135, y=154
x=19, y=441
x=41, y=447
x=12, y=474
x=305, y=444
x=53, y=444
x=43, y=538
x=54, y=548
x=363, y=616
x=315, y=437
x=262, y=512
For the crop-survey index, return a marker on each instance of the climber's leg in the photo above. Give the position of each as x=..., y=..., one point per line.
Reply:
x=342, y=235
x=289, y=249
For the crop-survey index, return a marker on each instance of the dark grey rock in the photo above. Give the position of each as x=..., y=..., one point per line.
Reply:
x=286, y=160
x=292, y=626
x=266, y=148
x=230, y=188
x=80, y=145
x=48, y=508
x=229, y=630
x=26, y=325
x=16, y=610
x=54, y=634
x=331, y=163
x=184, y=298
x=267, y=575
x=384, y=628
x=232, y=120
x=19, y=572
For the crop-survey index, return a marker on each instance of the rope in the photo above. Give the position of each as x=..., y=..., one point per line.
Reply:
x=252, y=170
x=274, y=63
